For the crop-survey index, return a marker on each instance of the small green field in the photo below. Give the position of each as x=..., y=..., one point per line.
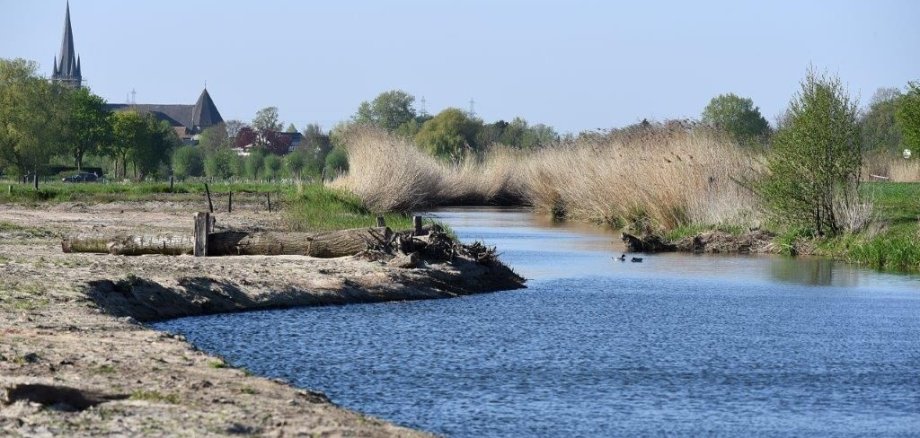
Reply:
x=894, y=243
x=306, y=206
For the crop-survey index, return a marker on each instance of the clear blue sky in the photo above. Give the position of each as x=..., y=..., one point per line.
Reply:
x=574, y=65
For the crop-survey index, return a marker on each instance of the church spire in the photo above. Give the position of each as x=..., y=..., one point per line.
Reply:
x=67, y=66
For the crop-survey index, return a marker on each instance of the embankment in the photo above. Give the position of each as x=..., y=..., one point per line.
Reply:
x=75, y=361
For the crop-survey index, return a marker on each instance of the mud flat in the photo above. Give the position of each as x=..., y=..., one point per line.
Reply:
x=77, y=360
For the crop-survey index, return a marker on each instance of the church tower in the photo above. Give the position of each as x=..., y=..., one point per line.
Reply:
x=67, y=65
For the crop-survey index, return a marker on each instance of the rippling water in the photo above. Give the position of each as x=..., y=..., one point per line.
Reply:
x=677, y=344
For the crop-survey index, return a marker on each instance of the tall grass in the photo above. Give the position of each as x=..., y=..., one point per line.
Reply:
x=389, y=173
x=664, y=176
x=892, y=166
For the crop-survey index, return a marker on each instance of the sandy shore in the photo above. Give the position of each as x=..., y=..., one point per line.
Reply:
x=76, y=359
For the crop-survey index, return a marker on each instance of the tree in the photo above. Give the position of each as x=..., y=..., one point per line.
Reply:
x=267, y=120
x=32, y=115
x=815, y=159
x=221, y=164
x=128, y=129
x=187, y=161
x=336, y=162
x=908, y=116
x=389, y=110
x=153, y=147
x=89, y=124
x=233, y=127
x=449, y=134
x=878, y=125
x=254, y=164
x=296, y=162
x=214, y=138
x=291, y=129
x=271, y=167
x=737, y=116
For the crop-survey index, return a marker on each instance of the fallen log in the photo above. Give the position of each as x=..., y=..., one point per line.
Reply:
x=224, y=243
x=330, y=244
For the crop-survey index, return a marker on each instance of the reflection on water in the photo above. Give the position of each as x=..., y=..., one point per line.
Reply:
x=540, y=248
x=686, y=345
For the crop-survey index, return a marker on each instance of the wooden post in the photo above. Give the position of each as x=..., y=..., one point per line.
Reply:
x=208, y=192
x=381, y=222
x=35, y=180
x=9, y=190
x=202, y=225
x=171, y=180
x=230, y=202
x=417, y=225
x=269, y=197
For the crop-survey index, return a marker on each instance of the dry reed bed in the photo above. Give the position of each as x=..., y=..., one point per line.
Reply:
x=891, y=166
x=662, y=177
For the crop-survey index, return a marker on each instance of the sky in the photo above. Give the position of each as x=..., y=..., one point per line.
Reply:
x=574, y=65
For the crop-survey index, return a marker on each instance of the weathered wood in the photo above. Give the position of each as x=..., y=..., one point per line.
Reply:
x=417, y=225
x=225, y=243
x=151, y=244
x=230, y=202
x=171, y=181
x=381, y=222
x=268, y=196
x=207, y=191
x=202, y=224
x=331, y=244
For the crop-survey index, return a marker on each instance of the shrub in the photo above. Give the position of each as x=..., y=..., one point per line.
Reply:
x=337, y=162
x=815, y=158
x=271, y=166
x=221, y=164
x=187, y=161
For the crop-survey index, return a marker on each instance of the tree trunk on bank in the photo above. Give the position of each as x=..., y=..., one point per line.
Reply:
x=226, y=243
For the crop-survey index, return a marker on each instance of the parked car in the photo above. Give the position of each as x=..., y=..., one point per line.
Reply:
x=81, y=177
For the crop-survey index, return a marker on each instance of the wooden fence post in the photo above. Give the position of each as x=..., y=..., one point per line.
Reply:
x=381, y=222
x=203, y=224
x=269, y=197
x=208, y=192
x=230, y=202
x=171, y=180
x=417, y=225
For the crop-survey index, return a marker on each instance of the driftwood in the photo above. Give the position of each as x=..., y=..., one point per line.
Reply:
x=223, y=243
x=331, y=244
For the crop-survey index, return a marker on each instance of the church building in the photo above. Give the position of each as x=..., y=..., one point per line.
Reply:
x=187, y=120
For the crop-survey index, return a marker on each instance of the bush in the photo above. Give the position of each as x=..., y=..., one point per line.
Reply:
x=221, y=164
x=187, y=161
x=814, y=165
x=271, y=166
x=336, y=162
x=254, y=164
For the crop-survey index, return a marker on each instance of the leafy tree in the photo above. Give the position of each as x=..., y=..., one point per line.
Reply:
x=221, y=164
x=291, y=129
x=254, y=164
x=89, y=124
x=336, y=162
x=187, y=161
x=154, y=147
x=31, y=116
x=449, y=134
x=878, y=125
x=267, y=120
x=389, y=110
x=738, y=116
x=272, y=166
x=214, y=138
x=295, y=163
x=316, y=141
x=128, y=129
x=908, y=116
x=233, y=127
x=815, y=157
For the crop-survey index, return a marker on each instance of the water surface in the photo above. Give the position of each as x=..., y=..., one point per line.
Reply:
x=677, y=344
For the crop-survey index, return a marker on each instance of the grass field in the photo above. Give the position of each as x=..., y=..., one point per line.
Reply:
x=305, y=207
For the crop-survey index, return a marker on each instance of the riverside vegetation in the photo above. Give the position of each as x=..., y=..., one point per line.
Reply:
x=813, y=185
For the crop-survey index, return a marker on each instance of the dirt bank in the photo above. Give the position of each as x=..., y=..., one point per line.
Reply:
x=76, y=361
x=709, y=242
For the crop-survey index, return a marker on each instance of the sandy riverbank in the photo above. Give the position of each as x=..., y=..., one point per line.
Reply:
x=74, y=360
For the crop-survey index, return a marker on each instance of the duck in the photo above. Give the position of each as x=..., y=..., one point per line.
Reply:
x=621, y=258
x=636, y=260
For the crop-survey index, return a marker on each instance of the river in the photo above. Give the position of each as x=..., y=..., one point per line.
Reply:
x=676, y=344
